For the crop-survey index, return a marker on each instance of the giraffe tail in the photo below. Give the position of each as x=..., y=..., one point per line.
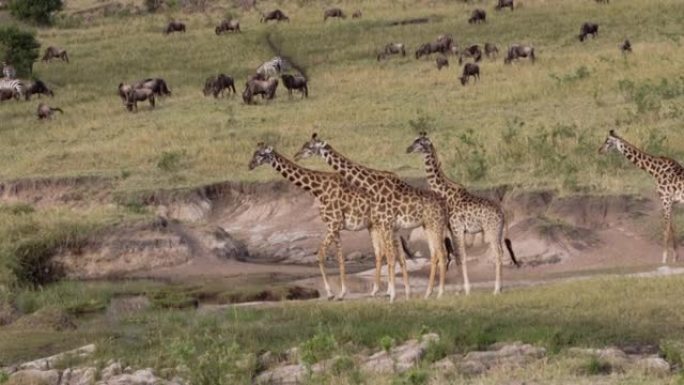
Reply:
x=404, y=246
x=509, y=246
x=450, y=251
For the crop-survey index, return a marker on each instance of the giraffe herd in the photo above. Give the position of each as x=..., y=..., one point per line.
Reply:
x=355, y=197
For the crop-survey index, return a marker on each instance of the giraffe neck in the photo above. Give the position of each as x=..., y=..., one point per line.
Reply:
x=437, y=180
x=299, y=176
x=352, y=172
x=641, y=159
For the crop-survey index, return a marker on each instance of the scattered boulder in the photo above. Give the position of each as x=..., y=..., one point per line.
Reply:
x=400, y=358
x=289, y=374
x=510, y=355
x=49, y=362
x=111, y=370
x=78, y=376
x=654, y=365
x=224, y=245
x=34, y=377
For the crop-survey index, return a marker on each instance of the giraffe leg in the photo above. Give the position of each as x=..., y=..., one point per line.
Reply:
x=667, y=234
x=390, y=252
x=673, y=235
x=340, y=259
x=460, y=235
x=433, y=268
x=376, y=238
x=404, y=272
x=321, y=261
x=441, y=258
x=497, y=263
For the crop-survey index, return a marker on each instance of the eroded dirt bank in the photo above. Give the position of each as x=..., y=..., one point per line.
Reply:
x=232, y=230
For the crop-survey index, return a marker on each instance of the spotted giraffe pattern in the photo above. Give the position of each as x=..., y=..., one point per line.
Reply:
x=669, y=176
x=468, y=213
x=341, y=207
x=395, y=204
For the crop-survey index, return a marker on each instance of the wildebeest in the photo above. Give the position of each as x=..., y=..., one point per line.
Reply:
x=333, y=12
x=588, y=29
x=216, y=85
x=123, y=91
x=491, y=51
x=296, y=82
x=470, y=69
x=174, y=26
x=441, y=62
x=603, y=1
x=54, y=52
x=357, y=14
x=474, y=51
x=443, y=45
x=272, y=67
x=7, y=94
x=38, y=88
x=228, y=26
x=517, y=51
x=478, y=16
x=394, y=49
x=626, y=46
x=276, y=15
x=157, y=85
x=136, y=95
x=503, y=4
x=45, y=112
x=254, y=87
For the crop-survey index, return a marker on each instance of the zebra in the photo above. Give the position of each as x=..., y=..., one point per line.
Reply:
x=8, y=72
x=13, y=84
x=272, y=67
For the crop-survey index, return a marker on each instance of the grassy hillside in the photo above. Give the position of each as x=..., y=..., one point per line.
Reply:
x=527, y=125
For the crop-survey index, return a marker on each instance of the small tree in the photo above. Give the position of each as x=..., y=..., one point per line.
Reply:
x=39, y=11
x=19, y=48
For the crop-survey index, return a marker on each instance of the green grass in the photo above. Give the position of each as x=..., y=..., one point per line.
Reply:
x=524, y=125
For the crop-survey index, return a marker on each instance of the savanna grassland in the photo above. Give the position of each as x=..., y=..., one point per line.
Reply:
x=529, y=126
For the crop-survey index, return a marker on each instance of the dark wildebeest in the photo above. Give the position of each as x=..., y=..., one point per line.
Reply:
x=394, y=49
x=588, y=29
x=157, y=85
x=382, y=56
x=265, y=88
x=443, y=45
x=228, y=26
x=603, y=1
x=503, y=4
x=442, y=62
x=7, y=94
x=478, y=16
x=626, y=46
x=174, y=26
x=357, y=14
x=45, y=112
x=123, y=91
x=276, y=15
x=474, y=51
x=38, y=88
x=470, y=69
x=517, y=51
x=333, y=12
x=491, y=51
x=217, y=85
x=54, y=52
x=138, y=95
x=296, y=82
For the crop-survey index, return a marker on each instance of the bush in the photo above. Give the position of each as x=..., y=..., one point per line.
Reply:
x=20, y=48
x=39, y=11
x=153, y=5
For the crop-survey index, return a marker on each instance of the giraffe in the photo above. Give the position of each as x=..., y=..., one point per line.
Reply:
x=341, y=207
x=669, y=176
x=468, y=213
x=395, y=204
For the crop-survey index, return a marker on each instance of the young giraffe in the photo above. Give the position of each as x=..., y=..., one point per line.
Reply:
x=341, y=206
x=468, y=213
x=669, y=176
x=395, y=204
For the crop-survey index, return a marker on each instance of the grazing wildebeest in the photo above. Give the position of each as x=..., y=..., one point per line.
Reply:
x=478, y=16
x=503, y=4
x=276, y=15
x=157, y=85
x=217, y=85
x=123, y=91
x=441, y=62
x=228, y=26
x=53, y=52
x=395, y=48
x=272, y=67
x=491, y=51
x=357, y=14
x=588, y=29
x=443, y=45
x=7, y=94
x=626, y=46
x=296, y=82
x=265, y=88
x=45, y=112
x=333, y=12
x=474, y=51
x=174, y=26
x=517, y=51
x=470, y=69
x=38, y=88
x=138, y=95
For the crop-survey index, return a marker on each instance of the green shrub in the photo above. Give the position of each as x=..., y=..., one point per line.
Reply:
x=38, y=11
x=20, y=48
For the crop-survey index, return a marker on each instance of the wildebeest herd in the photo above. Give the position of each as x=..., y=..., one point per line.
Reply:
x=264, y=81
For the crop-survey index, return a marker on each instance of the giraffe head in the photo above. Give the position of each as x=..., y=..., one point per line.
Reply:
x=422, y=145
x=611, y=142
x=262, y=155
x=311, y=148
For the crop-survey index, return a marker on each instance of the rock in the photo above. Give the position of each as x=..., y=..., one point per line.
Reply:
x=78, y=376
x=290, y=374
x=292, y=355
x=139, y=377
x=224, y=245
x=516, y=354
x=472, y=367
x=654, y=365
x=49, y=362
x=380, y=363
x=444, y=365
x=112, y=369
x=400, y=358
x=266, y=360
x=355, y=256
x=34, y=377
x=613, y=356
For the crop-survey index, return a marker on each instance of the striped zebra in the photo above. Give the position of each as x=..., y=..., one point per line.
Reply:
x=272, y=67
x=14, y=85
x=8, y=72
